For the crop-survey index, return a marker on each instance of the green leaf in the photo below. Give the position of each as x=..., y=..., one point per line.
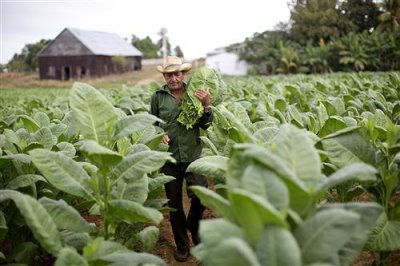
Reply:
x=219, y=236
x=348, y=147
x=100, y=155
x=219, y=205
x=277, y=246
x=20, y=157
x=58, y=130
x=385, y=235
x=253, y=213
x=94, y=114
x=65, y=216
x=24, y=181
x=155, y=141
x=134, y=123
x=42, y=119
x=300, y=199
x=12, y=137
x=332, y=125
x=213, y=230
x=369, y=213
x=235, y=252
x=62, y=172
x=29, y=123
x=133, y=259
x=213, y=167
x=24, y=253
x=263, y=182
x=293, y=146
x=355, y=171
x=265, y=135
x=242, y=133
x=70, y=257
x=210, y=145
x=325, y=233
x=37, y=219
x=45, y=137
x=132, y=212
x=159, y=181
x=76, y=240
x=149, y=237
x=131, y=188
x=134, y=166
x=66, y=148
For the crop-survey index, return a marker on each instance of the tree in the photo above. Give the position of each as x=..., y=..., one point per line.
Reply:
x=390, y=18
x=352, y=53
x=160, y=45
x=315, y=59
x=178, y=51
x=146, y=46
x=315, y=19
x=27, y=59
x=288, y=59
x=362, y=14
x=262, y=50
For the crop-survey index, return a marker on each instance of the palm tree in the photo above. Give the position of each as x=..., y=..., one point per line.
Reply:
x=353, y=53
x=390, y=18
x=288, y=59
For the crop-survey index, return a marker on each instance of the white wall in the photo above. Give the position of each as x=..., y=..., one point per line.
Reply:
x=227, y=64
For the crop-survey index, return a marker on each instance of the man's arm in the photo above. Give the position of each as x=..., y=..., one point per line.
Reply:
x=205, y=97
x=206, y=119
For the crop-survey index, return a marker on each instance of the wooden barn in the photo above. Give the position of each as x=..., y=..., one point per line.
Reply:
x=77, y=54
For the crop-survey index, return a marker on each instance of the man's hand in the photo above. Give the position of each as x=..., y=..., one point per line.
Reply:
x=204, y=96
x=165, y=139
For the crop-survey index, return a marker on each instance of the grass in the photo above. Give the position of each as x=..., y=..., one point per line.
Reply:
x=30, y=80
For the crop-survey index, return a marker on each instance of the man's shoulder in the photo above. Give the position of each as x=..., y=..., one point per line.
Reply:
x=161, y=89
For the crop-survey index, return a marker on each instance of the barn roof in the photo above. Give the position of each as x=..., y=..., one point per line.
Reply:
x=104, y=43
x=92, y=42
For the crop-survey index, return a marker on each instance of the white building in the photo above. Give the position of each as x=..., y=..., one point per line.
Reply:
x=227, y=63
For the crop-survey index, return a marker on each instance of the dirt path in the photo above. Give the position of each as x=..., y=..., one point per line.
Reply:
x=166, y=246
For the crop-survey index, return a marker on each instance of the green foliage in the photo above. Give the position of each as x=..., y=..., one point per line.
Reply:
x=146, y=46
x=271, y=196
x=192, y=108
x=87, y=158
x=314, y=20
x=363, y=14
x=281, y=151
x=322, y=30
x=389, y=20
x=27, y=60
x=178, y=51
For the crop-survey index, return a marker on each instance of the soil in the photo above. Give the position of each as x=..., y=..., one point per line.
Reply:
x=166, y=246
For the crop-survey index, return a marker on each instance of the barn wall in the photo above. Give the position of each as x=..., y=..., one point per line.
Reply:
x=86, y=66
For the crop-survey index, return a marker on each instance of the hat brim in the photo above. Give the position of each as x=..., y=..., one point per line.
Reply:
x=175, y=68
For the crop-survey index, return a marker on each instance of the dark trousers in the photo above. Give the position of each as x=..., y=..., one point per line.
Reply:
x=179, y=223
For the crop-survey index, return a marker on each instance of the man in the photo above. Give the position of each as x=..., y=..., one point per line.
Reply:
x=185, y=146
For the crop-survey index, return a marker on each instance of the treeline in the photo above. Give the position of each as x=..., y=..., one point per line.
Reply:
x=27, y=60
x=328, y=35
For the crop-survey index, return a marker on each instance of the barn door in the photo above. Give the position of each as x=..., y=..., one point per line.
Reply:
x=66, y=73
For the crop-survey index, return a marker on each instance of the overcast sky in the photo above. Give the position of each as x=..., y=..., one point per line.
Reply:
x=198, y=27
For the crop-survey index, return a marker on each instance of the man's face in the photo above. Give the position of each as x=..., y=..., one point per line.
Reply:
x=174, y=80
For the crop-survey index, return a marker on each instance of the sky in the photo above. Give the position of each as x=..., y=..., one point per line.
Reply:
x=198, y=27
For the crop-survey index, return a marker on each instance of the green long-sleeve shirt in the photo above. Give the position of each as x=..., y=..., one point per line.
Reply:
x=185, y=144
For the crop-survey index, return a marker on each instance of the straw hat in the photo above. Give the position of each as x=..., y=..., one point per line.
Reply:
x=174, y=64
